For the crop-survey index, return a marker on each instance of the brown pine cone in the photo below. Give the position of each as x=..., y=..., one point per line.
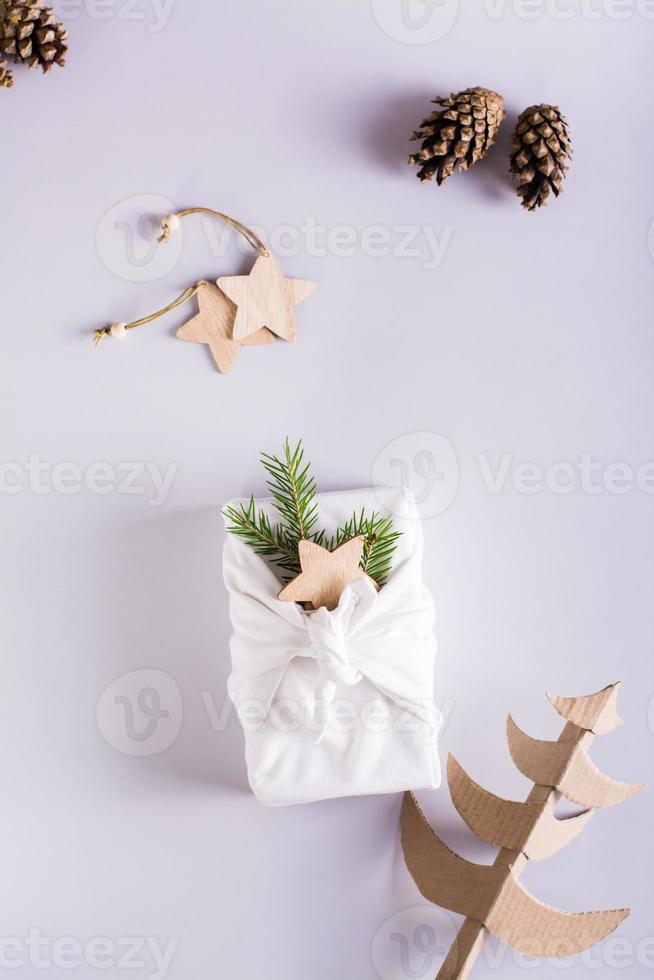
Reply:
x=458, y=135
x=540, y=153
x=6, y=77
x=30, y=35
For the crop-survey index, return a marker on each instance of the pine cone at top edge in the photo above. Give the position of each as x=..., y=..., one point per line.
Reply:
x=31, y=35
x=458, y=135
x=6, y=75
x=540, y=152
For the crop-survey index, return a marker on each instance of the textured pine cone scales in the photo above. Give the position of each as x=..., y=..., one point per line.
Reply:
x=6, y=77
x=539, y=154
x=30, y=35
x=460, y=134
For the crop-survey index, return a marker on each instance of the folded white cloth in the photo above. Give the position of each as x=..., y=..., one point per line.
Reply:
x=336, y=703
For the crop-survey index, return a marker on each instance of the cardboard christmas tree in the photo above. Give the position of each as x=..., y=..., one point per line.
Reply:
x=490, y=896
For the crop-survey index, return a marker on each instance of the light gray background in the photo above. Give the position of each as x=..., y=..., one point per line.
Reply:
x=528, y=337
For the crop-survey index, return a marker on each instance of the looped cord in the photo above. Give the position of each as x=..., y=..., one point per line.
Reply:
x=250, y=237
x=167, y=226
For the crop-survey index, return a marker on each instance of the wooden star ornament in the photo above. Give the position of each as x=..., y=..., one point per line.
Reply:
x=265, y=298
x=213, y=325
x=325, y=573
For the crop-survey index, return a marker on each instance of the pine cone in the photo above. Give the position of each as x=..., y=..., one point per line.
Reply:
x=540, y=153
x=459, y=135
x=6, y=77
x=30, y=34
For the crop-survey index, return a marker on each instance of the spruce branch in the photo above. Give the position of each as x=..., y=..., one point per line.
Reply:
x=379, y=542
x=270, y=541
x=293, y=491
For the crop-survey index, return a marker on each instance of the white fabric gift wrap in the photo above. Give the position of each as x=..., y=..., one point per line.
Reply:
x=336, y=703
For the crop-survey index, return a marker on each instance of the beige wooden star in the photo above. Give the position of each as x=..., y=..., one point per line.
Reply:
x=265, y=298
x=325, y=573
x=213, y=325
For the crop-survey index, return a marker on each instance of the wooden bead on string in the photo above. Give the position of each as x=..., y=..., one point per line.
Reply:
x=254, y=309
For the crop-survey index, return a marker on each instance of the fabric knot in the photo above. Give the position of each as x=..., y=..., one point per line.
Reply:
x=328, y=646
x=330, y=650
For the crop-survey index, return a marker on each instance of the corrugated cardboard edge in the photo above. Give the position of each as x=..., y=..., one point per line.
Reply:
x=535, y=929
x=594, y=712
x=531, y=828
x=566, y=766
x=490, y=894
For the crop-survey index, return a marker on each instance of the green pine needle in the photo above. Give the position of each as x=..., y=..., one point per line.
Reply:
x=254, y=527
x=379, y=545
x=293, y=490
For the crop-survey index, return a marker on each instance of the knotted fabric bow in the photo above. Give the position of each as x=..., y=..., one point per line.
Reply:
x=385, y=637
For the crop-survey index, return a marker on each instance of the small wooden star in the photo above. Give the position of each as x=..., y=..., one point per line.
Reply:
x=325, y=573
x=265, y=298
x=213, y=325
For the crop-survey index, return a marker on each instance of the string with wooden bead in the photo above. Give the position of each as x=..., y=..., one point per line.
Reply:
x=254, y=309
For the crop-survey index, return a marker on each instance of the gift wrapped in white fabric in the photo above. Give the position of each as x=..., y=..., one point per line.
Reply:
x=336, y=703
